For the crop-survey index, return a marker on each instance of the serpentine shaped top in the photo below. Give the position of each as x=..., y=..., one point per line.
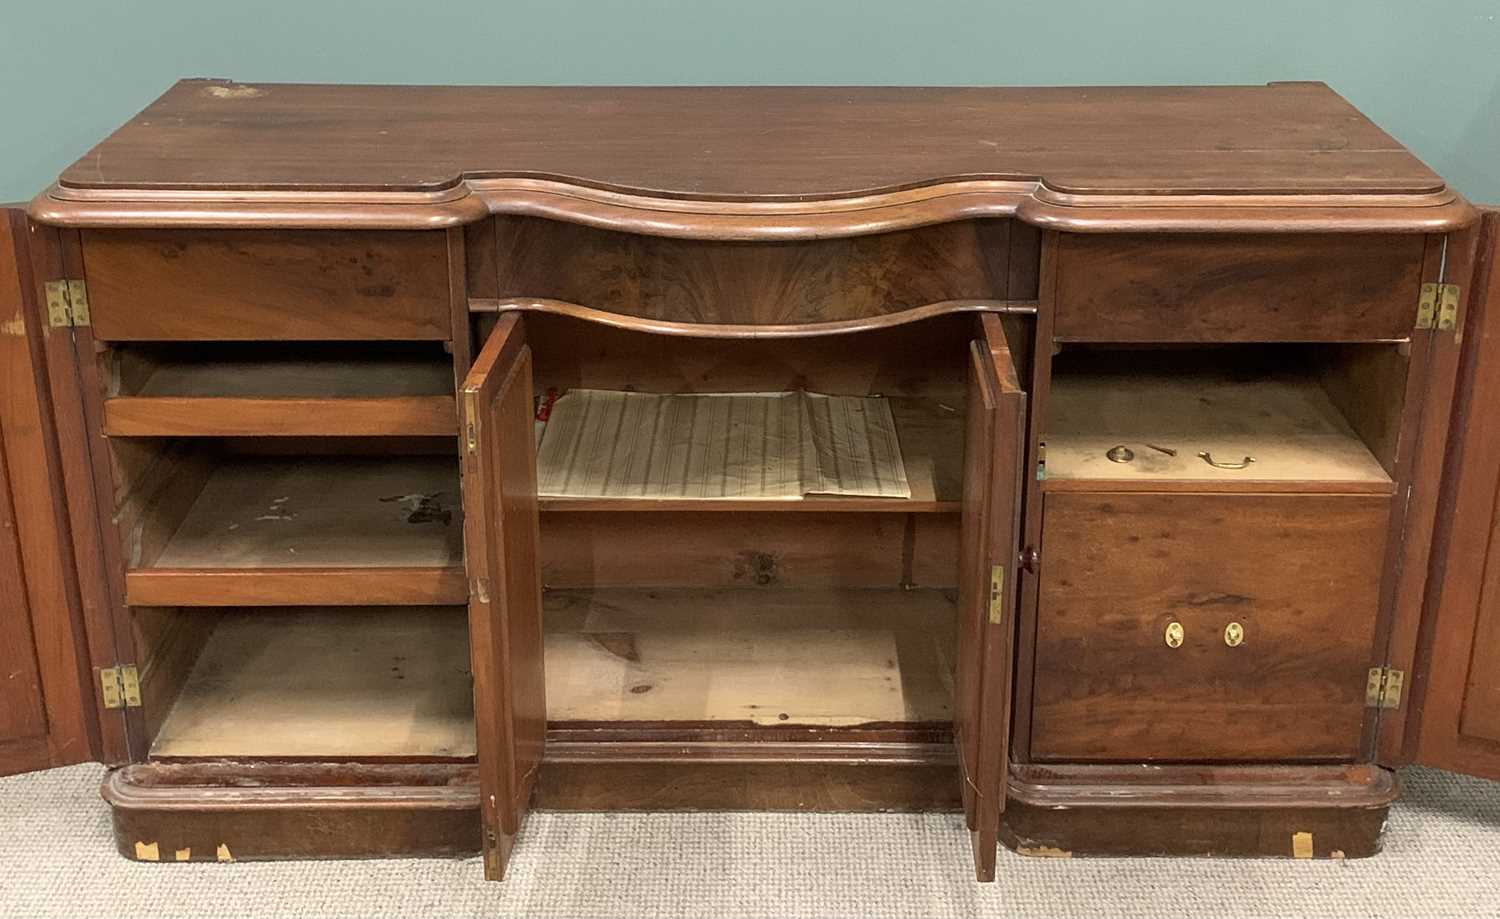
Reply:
x=754, y=162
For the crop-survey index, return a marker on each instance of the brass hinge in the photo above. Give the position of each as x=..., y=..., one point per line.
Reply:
x=1437, y=307
x=120, y=686
x=997, y=593
x=1383, y=687
x=67, y=303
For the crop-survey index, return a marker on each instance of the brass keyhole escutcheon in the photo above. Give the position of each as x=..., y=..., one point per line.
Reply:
x=1173, y=635
x=1234, y=634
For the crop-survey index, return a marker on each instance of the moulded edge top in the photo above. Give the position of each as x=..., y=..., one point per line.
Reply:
x=757, y=162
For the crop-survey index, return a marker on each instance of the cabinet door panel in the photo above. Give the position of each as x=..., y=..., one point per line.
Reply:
x=1456, y=689
x=994, y=450
x=46, y=715
x=1293, y=580
x=21, y=712
x=501, y=536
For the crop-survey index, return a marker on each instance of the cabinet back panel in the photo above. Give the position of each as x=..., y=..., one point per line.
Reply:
x=921, y=359
x=748, y=549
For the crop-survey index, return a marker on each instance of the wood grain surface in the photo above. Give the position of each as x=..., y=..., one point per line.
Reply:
x=164, y=285
x=1302, y=576
x=1344, y=287
x=739, y=142
x=754, y=162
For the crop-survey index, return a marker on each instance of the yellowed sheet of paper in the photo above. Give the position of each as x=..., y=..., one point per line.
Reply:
x=756, y=446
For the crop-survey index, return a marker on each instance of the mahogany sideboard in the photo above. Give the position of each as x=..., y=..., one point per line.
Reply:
x=1186, y=383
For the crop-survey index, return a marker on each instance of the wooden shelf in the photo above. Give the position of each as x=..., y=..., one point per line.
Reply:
x=329, y=530
x=366, y=682
x=373, y=391
x=771, y=657
x=1298, y=438
x=931, y=436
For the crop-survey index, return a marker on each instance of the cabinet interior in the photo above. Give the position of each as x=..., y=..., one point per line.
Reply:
x=310, y=370
x=1313, y=417
x=728, y=612
x=317, y=683
x=239, y=503
x=772, y=619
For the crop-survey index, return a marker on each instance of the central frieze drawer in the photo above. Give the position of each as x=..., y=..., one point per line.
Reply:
x=1205, y=627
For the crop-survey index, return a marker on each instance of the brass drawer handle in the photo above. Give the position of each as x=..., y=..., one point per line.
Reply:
x=1234, y=634
x=1208, y=458
x=1173, y=635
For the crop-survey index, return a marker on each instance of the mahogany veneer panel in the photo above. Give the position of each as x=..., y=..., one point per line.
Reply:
x=47, y=714
x=1301, y=574
x=23, y=714
x=1166, y=288
x=762, y=283
x=172, y=285
x=1455, y=705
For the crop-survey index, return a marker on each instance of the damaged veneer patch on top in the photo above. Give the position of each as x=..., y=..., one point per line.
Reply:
x=233, y=91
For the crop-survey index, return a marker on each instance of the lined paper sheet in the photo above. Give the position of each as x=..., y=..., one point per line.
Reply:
x=746, y=446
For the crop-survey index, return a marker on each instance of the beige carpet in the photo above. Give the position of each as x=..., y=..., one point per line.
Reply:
x=56, y=859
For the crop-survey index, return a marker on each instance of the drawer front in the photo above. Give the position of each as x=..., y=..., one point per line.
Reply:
x=204, y=285
x=1238, y=288
x=1299, y=573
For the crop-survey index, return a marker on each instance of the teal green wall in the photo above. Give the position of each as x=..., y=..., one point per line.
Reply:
x=1428, y=71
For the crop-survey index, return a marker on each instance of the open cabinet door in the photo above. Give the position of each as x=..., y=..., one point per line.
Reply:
x=501, y=534
x=994, y=453
x=1457, y=683
x=46, y=701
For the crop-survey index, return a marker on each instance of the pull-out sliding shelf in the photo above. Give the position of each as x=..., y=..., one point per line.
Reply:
x=234, y=389
x=324, y=530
